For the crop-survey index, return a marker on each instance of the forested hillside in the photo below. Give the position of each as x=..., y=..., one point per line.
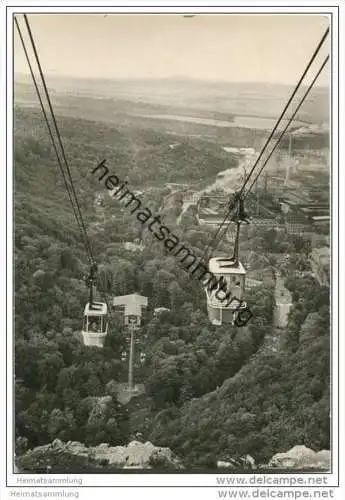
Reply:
x=211, y=391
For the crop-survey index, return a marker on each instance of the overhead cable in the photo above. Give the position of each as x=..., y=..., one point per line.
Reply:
x=48, y=124
x=317, y=50
x=77, y=209
x=279, y=138
x=215, y=240
x=289, y=122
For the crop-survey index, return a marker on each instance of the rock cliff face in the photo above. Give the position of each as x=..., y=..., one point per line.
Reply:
x=59, y=456
x=76, y=457
x=297, y=458
x=301, y=457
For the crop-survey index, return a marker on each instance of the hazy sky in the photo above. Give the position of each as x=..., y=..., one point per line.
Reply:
x=239, y=48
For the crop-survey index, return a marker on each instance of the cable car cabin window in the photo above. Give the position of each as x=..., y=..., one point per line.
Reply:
x=97, y=324
x=234, y=285
x=94, y=324
x=238, y=286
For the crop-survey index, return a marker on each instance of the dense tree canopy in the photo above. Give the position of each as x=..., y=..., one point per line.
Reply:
x=212, y=391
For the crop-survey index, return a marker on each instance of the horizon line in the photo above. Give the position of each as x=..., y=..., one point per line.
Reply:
x=167, y=78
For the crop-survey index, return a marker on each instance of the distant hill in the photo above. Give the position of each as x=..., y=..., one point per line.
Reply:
x=186, y=95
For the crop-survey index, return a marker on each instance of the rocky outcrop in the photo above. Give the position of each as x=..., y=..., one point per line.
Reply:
x=298, y=458
x=301, y=457
x=74, y=455
x=246, y=462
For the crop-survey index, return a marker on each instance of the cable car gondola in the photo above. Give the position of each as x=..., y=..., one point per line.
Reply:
x=95, y=325
x=233, y=277
x=230, y=275
x=230, y=271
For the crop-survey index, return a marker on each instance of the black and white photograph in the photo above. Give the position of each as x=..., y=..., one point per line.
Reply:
x=173, y=289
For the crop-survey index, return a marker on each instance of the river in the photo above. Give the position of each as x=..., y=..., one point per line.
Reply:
x=239, y=121
x=228, y=180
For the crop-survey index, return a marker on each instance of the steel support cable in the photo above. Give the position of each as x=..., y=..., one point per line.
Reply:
x=289, y=122
x=85, y=235
x=47, y=123
x=214, y=237
x=312, y=59
x=220, y=234
x=282, y=134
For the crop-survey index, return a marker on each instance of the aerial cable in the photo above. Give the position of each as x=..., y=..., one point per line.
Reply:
x=289, y=122
x=285, y=109
x=47, y=123
x=83, y=228
x=280, y=138
x=82, y=224
x=240, y=193
x=215, y=235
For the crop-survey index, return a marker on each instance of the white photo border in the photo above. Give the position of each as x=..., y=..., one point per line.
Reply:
x=204, y=479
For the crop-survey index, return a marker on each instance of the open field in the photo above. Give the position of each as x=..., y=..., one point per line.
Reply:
x=209, y=100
